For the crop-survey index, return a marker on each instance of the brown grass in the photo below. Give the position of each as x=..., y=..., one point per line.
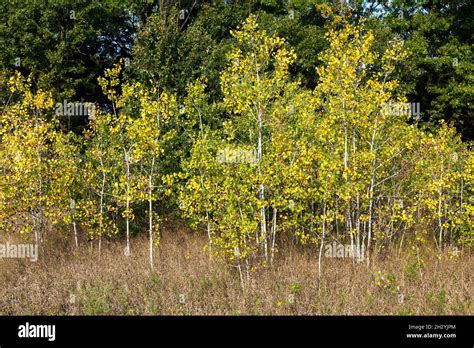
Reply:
x=187, y=282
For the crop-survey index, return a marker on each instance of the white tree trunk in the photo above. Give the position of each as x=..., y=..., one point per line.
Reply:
x=150, y=210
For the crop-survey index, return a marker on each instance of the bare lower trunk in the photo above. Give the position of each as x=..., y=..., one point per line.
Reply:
x=322, y=241
x=36, y=232
x=371, y=199
x=263, y=222
x=351, y=233
x=242, y=283
x=75, y=232
x=323, y=234
x=440, y=220
x=150, y=227
x=273, y=234
x=102, y=192
x=209, y=236
x=150, y=211
x=127, y=219
x=440, y=207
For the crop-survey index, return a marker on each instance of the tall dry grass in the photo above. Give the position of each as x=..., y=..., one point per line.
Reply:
x=186, y=281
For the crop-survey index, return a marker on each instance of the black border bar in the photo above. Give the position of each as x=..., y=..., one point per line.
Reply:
x=195, y=331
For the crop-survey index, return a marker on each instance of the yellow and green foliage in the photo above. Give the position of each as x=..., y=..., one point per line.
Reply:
x=330, y=163
x=317, y=165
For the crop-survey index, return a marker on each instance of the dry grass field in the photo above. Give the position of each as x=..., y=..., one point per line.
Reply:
x=186, y=281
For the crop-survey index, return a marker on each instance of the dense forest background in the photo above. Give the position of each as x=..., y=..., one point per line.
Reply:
x=172, y=43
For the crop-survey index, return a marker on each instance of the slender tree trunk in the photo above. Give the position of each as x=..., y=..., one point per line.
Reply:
x=346, y=151
x=35, y=229
x=208, y=221
x=349, y=226
x=75, y=232
x=263, y=223
x=73, y=208
x=150, y=210
x=127, y=204
x=102, y=192
x=242, y=283
x=401, y=240
x=209, y=236
x=371, y=200
x=345, y=176
x=323, y=233
x=440, y=220
x=274, y=226
x=357, y=222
